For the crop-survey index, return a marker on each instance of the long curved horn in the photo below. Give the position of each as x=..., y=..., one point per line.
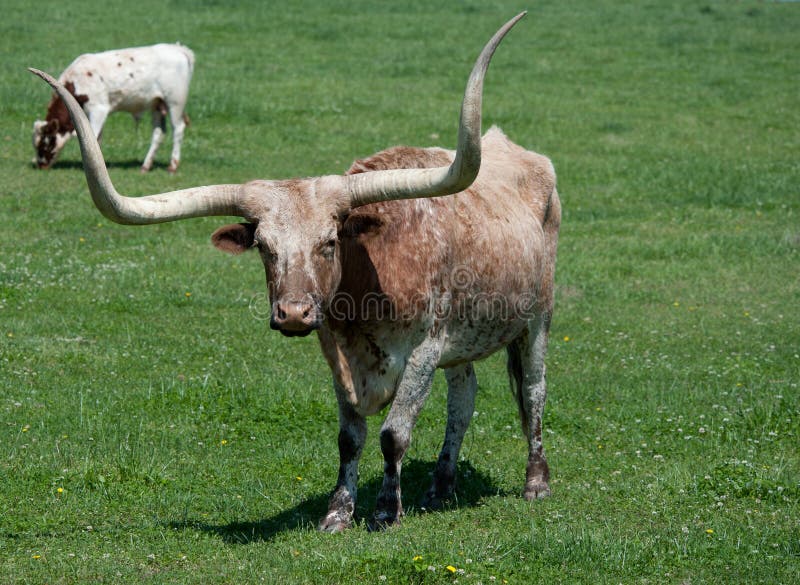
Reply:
x=371, y=187
x=171, y=206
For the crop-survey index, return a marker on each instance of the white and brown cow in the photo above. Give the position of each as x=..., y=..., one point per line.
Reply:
x=416, y=259
x=154, y=78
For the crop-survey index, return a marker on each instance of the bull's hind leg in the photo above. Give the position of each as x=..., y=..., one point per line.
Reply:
x=461, y=389
x=527, y=373
x=352, y=434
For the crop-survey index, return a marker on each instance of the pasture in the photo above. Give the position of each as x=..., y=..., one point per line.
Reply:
x=153, y=429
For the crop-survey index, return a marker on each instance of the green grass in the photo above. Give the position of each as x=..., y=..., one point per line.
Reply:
x=153, y=429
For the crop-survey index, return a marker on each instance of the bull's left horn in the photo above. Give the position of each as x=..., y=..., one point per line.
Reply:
x=171, y=206
x=388, y=185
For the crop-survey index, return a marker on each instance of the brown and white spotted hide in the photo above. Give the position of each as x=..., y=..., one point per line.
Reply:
x=398, y=289
x=135, y=80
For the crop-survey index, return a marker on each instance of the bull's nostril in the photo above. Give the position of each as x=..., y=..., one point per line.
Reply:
x=280, y=313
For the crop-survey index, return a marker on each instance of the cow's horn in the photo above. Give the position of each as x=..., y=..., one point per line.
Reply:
x=194, y=202
x=388, y=185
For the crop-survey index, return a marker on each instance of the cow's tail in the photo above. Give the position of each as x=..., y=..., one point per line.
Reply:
x=189, y=54
x=515, y=378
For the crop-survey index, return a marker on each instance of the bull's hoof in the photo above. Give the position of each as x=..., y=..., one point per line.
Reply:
x=144, y=169
x=433, y=501
x=535, y=490
x=173, y=166
x=383, y=520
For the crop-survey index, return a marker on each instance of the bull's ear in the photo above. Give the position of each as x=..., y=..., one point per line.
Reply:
x=234, y=238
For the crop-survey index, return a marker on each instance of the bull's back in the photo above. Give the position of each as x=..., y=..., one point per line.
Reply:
x=478, y=259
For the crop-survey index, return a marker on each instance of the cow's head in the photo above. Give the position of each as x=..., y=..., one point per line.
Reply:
x=294, y=224
x=51, y=134
x=48, y=140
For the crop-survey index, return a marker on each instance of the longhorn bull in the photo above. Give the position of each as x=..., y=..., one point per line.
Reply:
x=415, y=259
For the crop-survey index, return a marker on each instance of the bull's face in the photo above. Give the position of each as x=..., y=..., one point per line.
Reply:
x=48, y=140
x=295, y=229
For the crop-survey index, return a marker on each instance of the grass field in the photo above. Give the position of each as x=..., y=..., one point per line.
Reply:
x=153, y=429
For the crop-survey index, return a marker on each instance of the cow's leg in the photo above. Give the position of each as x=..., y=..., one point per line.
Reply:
x=178, y=121
x=342, y=504
x=461, y=389
x=97, y=119
x=413, y=389
x=159, y=129
x=527, y=373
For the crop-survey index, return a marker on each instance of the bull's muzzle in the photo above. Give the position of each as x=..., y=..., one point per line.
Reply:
x=295, y=319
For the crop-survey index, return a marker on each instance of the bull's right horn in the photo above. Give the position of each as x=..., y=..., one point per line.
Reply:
x=171, y=206
x=387, y=185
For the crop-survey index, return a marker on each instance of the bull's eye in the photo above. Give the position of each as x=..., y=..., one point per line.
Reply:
x=263, y=248
x=327, y=248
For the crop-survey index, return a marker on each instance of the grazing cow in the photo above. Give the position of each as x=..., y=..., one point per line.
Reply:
x=415, y=259
x=154, y=78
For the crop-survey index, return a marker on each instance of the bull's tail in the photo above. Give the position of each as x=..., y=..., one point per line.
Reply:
x=515, y=378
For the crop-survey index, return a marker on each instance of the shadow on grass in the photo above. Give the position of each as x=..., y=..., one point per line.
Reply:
x=71, y=165
x=471, y=488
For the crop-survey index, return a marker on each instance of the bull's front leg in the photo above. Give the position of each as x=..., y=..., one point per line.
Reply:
x=413, y=389
x=342, y=504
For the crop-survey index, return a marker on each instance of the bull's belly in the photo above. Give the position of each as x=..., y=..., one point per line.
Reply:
x=466, y=341
x=368, y=371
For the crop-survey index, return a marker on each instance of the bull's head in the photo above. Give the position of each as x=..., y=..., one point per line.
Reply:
x=295, y=223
